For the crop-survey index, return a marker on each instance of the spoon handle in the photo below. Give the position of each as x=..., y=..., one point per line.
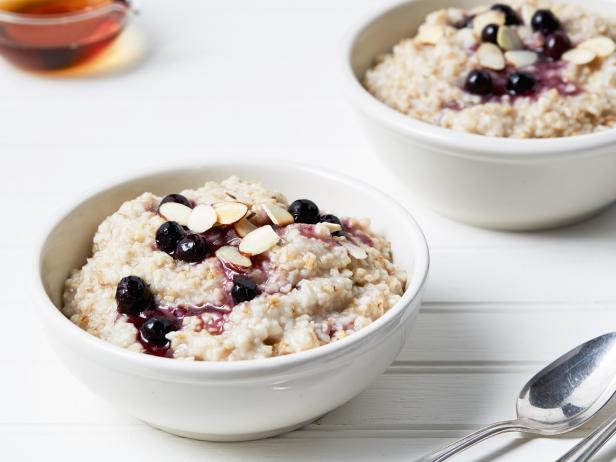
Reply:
x=472, y=439
x=587, y=448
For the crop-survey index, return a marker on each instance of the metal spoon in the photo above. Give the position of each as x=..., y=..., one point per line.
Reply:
x=559, y=398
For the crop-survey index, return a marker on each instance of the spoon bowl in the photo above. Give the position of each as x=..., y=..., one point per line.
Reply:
x=559, y=398
x=572, y=389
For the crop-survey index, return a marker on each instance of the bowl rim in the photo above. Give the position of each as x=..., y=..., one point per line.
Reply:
x=8, y=16
x=48, y=312
x=445, y=139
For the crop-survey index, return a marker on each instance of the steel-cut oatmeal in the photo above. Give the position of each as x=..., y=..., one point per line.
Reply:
x=230, y=271
x=528, y=69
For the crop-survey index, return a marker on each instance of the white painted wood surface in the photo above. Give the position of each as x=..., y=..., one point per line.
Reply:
x=243, y=79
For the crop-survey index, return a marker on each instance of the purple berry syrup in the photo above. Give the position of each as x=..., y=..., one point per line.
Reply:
x=548, y=75
x=212, y=317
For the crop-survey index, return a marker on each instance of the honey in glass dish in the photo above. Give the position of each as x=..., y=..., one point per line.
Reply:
x=44, y=35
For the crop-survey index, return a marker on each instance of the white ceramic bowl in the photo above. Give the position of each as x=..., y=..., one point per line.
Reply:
x=484, y=181
x=231, y=400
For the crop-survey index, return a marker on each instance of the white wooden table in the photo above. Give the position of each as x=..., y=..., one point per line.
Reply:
x=246, y=78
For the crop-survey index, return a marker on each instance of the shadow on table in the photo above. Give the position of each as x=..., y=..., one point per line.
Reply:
x=601, y=227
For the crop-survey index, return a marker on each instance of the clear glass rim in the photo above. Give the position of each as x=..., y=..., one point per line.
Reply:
x=65, y=18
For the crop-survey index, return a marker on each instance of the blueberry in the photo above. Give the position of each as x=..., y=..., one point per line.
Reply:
x=478, y=83
x=511, y=17
x=168, y=235
x=332, y=219
x=243, y=290
x=489, y=33
x=304, y=211
x=556, y=44
x=133, y=296
x=176, y=198
x=519, y=83
x=192, y=249
x=154, y=330
x=545, y=22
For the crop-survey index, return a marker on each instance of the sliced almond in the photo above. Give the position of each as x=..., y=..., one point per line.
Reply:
x=230, y=212
x=230, y=254
x=491, y=56
x=331, y=227
x=278, y=215
x=243, y=227
x=172, y=211
x=489, y=17
x=355, y=251
x=527, y=12
x=602, y=46
x=508, y=39
x=430, y=34
x=521, y=58
x=202, y=218
x=260, y=240
x=579, y=56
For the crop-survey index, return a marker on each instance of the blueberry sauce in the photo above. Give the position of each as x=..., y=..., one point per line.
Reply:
x=261, y=266
x=212, y=319
x=240, y=284
x=310, y=232
x=453, y=106
x=258, y=273
x=356, y=233
x=219, y=237
x=548, y=75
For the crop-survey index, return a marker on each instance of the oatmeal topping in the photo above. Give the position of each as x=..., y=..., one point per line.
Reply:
x=247, y=276
x=232, y=255
x=601, y=46
x=260, y=240
x=491, y=56
x=243, y=227
x=529, y=69
x=278, y=215
x=579, y=56
x=229, y=212
x=202, y=218
x=521, y=58
x=174, y=211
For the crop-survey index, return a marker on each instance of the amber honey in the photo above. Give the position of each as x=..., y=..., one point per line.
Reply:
x=58, y=34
